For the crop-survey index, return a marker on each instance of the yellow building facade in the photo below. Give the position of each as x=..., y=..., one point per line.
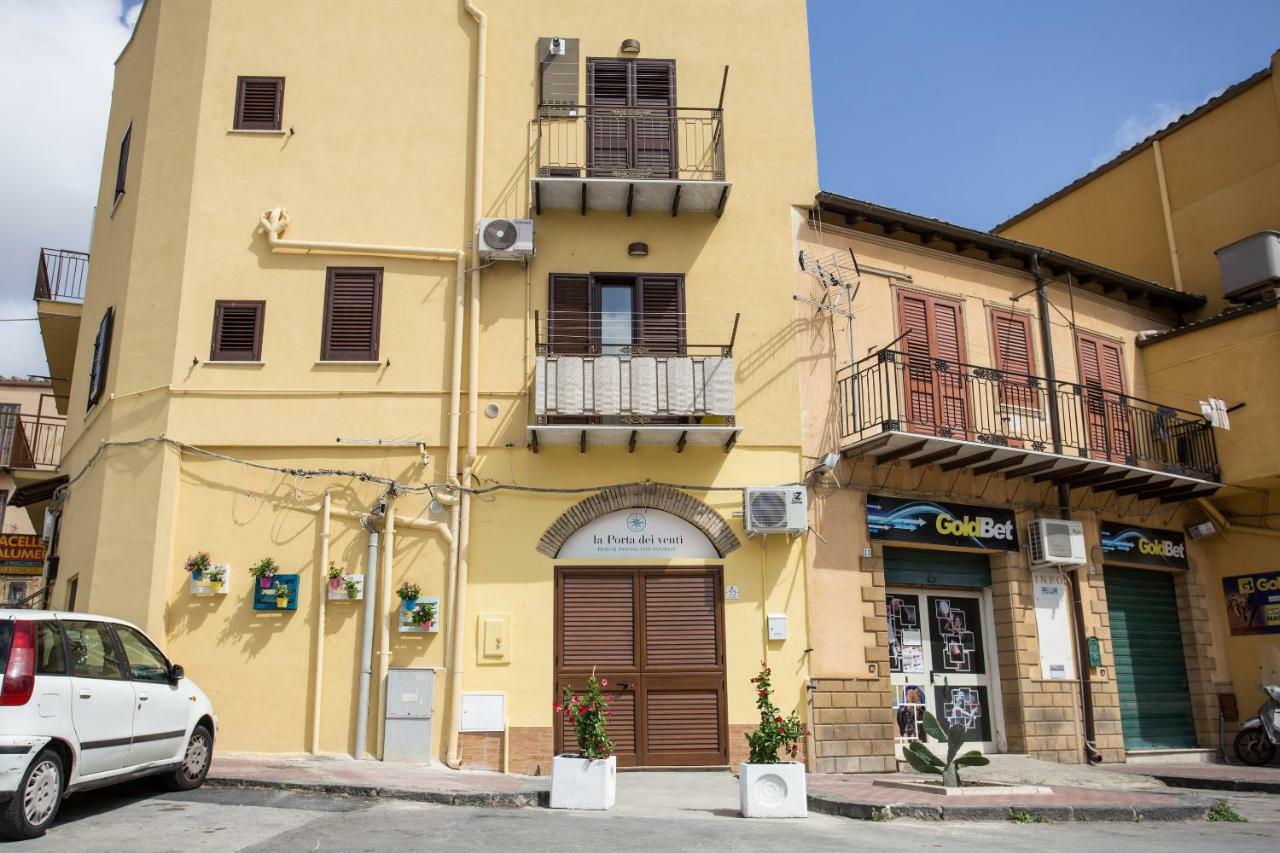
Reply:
x=292, y=338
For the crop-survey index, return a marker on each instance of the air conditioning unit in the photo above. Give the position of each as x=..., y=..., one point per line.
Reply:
x=505, y=239
x=775, y=509
x=1055, y=542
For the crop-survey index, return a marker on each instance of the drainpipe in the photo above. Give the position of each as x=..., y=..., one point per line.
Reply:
x=385, y=616
x=366, y=642
x=317, y=675
x=1064, y=507
x=457, y=626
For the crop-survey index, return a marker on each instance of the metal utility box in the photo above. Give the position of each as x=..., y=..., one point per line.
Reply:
x=410, y=697
x=1250, y=264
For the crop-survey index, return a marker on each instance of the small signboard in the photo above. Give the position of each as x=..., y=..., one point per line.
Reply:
x=1253, y=603
x=638, y=532
x=925, y=522
x=21, y=554
x=1143, y=546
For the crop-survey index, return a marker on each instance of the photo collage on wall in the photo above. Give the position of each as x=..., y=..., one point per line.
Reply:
x=967, y=706
x=957, y=636
x=906, y=643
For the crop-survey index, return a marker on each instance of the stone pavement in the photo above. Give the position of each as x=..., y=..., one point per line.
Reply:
x=1209, y=777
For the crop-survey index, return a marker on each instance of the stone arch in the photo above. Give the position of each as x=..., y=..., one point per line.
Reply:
x=650, y=496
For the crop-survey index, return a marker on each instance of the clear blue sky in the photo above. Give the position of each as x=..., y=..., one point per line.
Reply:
x=971, y=111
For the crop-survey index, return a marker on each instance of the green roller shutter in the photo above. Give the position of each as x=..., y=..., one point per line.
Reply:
x=1151, y=674
x=911, y=567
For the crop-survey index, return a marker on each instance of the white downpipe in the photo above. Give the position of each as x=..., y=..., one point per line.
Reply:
x=384, y=617
x=366, y=645
x=457, y=625
x=317, y=674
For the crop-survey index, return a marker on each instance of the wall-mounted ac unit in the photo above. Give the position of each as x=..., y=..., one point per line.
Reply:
x=1055, y=542
x=505, y=239
x=775, y=509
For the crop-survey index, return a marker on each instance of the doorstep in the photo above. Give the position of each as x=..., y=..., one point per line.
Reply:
x=1171, y=756
x=338, y=774
x=1208, y=777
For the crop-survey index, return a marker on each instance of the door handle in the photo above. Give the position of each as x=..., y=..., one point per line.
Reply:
x=625, y=685
x=142, y=697
x=85, y=693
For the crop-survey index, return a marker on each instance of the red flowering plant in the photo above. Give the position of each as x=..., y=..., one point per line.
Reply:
x=774, y=734
x=589, y=713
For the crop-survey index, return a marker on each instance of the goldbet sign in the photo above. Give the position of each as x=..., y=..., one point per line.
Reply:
x=1253, y=603
x=927, y=522
x=1144, y=546
x=21, y=554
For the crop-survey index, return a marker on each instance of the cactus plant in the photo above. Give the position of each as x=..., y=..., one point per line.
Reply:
x=924, y=761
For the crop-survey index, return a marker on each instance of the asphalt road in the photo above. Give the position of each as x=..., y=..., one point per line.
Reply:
x=138, y=818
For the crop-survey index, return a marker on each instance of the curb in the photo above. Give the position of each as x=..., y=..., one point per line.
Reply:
x=484, y=799
x=841, y=807
x=1199, y=783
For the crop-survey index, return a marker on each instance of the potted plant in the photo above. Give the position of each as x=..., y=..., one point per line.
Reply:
x=352, y=588
x=282, y=595
x=587, y=780
x=423, y=614
x=216, y=575
x=197, y=564
x=767, y=785
x=265, y=570
x=409, y=594
x=336, y=576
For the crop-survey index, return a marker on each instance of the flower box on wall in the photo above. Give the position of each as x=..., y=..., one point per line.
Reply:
x=266, y=598
x=342, y=593
x=406, y=616
x=205, y=583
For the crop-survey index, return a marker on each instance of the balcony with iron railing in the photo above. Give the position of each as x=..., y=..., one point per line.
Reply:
x=893, y=406
x=60, y=275
x=31, y=442
x=59, y=296
x=668, y=159
x=661, y=381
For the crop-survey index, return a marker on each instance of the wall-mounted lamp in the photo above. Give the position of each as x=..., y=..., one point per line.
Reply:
x=638, y=250
x=630, y=46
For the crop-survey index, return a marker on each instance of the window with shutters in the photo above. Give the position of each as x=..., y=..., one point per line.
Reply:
x=616, y=314
x=932, y=330
x=631, y=111
x=101, y=358
x=1014, y=358
x=237, y=330
x=122, y=165
x=1109, y=426
x=352, y=314
x=259, y=103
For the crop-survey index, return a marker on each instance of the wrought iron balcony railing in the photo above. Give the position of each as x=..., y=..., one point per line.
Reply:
x=630, y=143
x=32, y=442
x=60, y=275
x=893, y=391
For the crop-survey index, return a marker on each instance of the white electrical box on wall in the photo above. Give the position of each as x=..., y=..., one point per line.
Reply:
x=1053, y=625
x=777, y=626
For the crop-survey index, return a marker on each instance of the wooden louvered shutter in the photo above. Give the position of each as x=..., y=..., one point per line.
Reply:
x=598, y=622
x=101, y=358
x=662, y=319
x=948, y=346
x=237, y=330
x=913, y=322
x=352, y=314
x=680, y=622
x=1102, y=373
x=122, y=165
x=570, y=330
x=1014, y=358
x=259, y=103
x=653, y=88
x=609, y=137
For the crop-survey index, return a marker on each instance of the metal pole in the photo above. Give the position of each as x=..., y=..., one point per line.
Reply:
x=366, y=644
x=317, y=688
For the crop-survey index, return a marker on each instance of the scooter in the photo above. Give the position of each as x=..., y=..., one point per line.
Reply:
x=1256, y=743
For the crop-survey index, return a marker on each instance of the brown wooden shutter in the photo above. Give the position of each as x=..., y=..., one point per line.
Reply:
x=352, y=314
x=948, y=345
x=660, y=302
x=598, y=622
x=259, y=103
x=1101, y=365
x=653, y=87
x=680, y=622
x=682, y=724
x=608, y=90
x=1014, y=357
x=913, y=322
x=570, y=330
x=237, y=330
x=101, y=358
x=122, y=165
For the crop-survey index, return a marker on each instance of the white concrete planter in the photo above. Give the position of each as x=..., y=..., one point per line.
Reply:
x=583, y=783
x=773, y=790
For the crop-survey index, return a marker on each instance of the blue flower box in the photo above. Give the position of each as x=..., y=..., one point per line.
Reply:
x=265, y=599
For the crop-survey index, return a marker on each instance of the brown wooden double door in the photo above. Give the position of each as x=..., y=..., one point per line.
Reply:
x=657, y=636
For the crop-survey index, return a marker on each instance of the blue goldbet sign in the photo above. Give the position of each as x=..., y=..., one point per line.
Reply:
x=926, y=522
x=1144, y=546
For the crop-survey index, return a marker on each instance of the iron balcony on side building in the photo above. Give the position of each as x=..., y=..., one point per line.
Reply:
x=893, y=406
x=59, y=297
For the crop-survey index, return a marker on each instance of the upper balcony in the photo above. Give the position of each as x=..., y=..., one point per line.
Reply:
x=668, y=159
x=960, y=416
x=59, y=296
x=31, y=442
x=675, y=390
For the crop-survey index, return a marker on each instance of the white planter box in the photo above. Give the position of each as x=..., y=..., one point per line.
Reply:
x=205, y=587
x=340, y=594
x=773, y=790
x=405, y=623
x=583, y=783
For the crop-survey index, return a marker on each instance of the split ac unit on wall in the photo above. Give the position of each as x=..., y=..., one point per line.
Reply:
x=775, y=509
x=1055, y=542
x=505, y=239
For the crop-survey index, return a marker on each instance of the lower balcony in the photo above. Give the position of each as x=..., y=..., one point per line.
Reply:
x=961, y=416
x=632, y=399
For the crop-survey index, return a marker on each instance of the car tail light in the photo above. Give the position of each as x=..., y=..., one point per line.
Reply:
x=20, y=672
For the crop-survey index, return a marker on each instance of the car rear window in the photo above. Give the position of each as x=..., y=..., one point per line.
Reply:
x=6, y=640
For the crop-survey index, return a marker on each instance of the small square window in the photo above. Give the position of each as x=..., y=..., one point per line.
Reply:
x=259, y=103
x=237, y=330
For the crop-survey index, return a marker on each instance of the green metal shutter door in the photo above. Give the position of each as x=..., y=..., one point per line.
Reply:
x=1151, y=674
x=912, y=567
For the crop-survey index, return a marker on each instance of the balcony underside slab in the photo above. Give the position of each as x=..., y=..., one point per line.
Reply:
x=60, y=330
x=588, y=436
x=1100, y=475
x=630, y=194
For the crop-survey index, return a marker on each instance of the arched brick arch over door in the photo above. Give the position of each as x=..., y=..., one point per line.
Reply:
x=650, y=496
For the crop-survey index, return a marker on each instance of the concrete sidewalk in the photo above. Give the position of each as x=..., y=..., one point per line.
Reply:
x=1207, y=777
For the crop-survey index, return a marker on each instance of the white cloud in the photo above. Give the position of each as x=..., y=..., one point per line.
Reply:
x=1137, y=127
x=57, y=60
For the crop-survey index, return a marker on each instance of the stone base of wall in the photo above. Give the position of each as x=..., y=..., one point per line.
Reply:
x=481, y=750
x=531, y=750
x=853, y=726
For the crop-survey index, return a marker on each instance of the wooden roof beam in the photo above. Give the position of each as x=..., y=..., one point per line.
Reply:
x=999, y=464
x=966, y=461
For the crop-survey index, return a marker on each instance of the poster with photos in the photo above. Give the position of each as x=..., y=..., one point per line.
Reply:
x=967, y=706
x=955, y=636
x=906, y=652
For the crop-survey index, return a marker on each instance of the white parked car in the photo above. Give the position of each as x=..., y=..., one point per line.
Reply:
x=89, y=701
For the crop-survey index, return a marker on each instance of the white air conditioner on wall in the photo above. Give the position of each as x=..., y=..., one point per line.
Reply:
x=505, y=239
x=1055, y=542
x=775, y=509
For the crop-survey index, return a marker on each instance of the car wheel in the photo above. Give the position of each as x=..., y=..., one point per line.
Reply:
x=35, y=804
x=195, y=762
x=1254, y=748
